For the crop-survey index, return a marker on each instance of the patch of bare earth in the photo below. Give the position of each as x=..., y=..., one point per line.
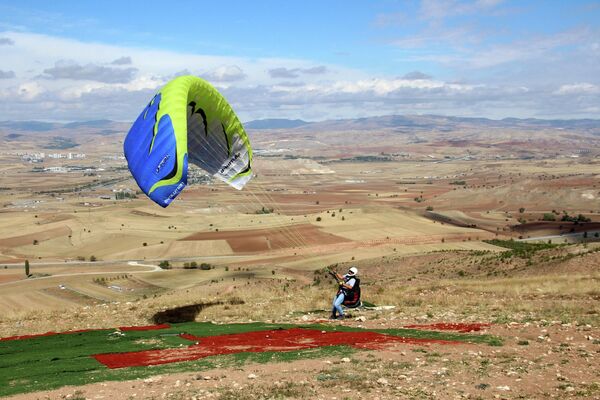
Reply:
x=544, y=308
x=536, y=361
x=252, y=240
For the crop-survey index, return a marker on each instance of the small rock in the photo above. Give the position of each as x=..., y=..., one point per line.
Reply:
x=503, y=388
x=362, y=318
x=206, y=378
x=382, y=381
x=252, y=376
x=346, y=360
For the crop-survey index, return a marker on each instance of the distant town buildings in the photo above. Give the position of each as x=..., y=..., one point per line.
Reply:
x=39, y=157
x=68, y=156
x=56, y=169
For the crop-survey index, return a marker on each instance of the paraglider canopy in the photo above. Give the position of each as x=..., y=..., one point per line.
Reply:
x=188, y=120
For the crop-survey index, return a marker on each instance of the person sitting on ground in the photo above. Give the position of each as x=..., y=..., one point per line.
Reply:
x=346, y=283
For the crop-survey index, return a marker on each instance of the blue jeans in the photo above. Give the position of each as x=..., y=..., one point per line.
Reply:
x=337, y=304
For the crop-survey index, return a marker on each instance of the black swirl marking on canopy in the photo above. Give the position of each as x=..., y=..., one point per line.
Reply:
x=174, y=170
x=202, y=114
x=226, y=139
x=155, y=126
x=245, y=169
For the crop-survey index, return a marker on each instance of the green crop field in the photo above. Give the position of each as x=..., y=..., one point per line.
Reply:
x=49, y=362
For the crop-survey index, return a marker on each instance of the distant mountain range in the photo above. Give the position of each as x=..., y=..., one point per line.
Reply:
x=420, y=122
x=275, y=124
x=38, y=126
x=399, y=123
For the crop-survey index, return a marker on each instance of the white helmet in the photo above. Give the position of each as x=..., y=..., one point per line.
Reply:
x=353, y=271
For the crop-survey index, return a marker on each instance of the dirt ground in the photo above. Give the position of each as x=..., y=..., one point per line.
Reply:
x=548, y=360
x=375, y=215
x=547, y=320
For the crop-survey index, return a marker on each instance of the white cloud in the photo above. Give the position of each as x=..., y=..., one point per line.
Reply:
x=89, y=72
x=122, y=61
x=384, y=87
x=7, y=74
x=29, y=91
x=102, y=83
x=441, y=9
x=579, y=88
x=225, y=73
x=292, y=73
x=414, y=75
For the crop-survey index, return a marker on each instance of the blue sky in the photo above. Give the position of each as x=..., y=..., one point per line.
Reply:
x=77, y=60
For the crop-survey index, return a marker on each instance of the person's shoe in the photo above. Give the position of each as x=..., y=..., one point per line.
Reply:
x=340, y=317
x=332, y=316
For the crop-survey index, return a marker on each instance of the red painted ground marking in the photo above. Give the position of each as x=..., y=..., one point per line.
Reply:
x=145, y=328
x=122, y=328
x=458, y=327
x=256, y=342
x=45, y=334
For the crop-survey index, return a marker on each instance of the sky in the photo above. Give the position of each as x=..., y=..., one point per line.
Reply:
x=310, y=59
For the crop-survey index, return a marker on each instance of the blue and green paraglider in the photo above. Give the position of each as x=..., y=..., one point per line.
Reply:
x=187, y=121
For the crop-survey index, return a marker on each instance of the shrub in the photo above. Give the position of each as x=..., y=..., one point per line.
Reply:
x=164, y=264
x=264, y=210
x=205, y=266
x=549, y=217
x=318, y=219
x=93, y=258
x=577, y=219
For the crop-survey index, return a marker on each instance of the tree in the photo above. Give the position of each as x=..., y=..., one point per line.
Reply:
x=205, y=266
x=26, y=267
x=93, y=258
x=521, y=210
